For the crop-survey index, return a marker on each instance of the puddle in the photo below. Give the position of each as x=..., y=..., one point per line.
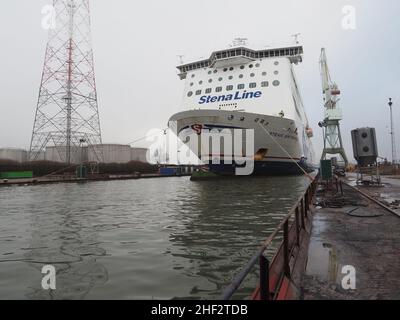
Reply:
x=323, y=263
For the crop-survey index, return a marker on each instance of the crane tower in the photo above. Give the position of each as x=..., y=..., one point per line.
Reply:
x=333, y=143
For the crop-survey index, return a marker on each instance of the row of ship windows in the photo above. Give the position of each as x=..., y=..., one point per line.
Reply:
x=231, y=77
x=241, y=86
x=257, y=120
x=257, y=65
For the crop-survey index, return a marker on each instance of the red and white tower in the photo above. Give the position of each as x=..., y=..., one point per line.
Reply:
x=67, y=111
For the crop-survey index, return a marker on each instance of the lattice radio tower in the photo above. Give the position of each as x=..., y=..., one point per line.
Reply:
x=67, y=111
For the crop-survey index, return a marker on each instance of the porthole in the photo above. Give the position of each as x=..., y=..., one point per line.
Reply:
x=209, y=72
x=264, y=73
x=256, y=119
x=252, y=85
x=262, y=121
x=364, y=135
x=230, y=117
x=240, y=76
x=276, y=72
x=200, y=82
x=264, y=84
x=218, y=89
x=231, y=69
x=257, y=65
x=251, y=66
x=276, y=83
x=220, y=79
x=190, y=93
x=240, y=86
x=208, y=90
x=215, y=71
x=225, y=69
x=252, y=75
x=242, y=67
x=229, y=88
x=193, y=75
x=366, y=149
x=276, y=63
x=198, y=92
x=242, y=119
x=230, y=77
x=191, y=84
x=209, y=80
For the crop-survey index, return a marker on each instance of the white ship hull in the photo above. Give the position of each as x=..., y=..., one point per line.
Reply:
x=280, y=145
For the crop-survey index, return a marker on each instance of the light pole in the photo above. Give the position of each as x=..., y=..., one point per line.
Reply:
x=394, y=156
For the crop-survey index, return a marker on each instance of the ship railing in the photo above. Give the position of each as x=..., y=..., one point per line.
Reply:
x=272, y=272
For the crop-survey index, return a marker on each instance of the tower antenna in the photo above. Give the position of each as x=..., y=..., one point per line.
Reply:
x=67, y=107
x=239, y=42
x=180, y=56
x=296, y=37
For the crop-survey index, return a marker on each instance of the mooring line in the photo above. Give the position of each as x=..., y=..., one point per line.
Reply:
x=285, y=151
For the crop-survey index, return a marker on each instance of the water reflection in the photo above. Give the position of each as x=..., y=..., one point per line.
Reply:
x=223, y=223
x=63, y=237
x=139, y=239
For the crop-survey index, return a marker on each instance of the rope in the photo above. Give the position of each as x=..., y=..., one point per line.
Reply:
x=142, y=138
x=288, y=154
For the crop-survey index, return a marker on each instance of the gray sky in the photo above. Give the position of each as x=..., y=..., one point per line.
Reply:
x=136, y=45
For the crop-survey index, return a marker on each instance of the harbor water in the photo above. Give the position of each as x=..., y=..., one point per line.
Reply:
x=164, y=238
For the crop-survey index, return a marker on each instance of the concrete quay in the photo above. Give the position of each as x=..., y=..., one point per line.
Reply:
x=354, y=250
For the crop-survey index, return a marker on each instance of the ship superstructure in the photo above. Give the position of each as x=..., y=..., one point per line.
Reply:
x=242, y=88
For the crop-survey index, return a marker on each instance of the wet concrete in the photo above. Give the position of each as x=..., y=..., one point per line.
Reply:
x=388, y=193
x=357, y=237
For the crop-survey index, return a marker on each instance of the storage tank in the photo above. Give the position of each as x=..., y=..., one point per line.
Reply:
x=365, y=148
x=59, y=154
x=139, y=154
x=41, y=156
x=14, y=154
x=112, y=153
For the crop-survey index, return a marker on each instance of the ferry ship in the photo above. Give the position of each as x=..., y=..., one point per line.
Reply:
x=240, y=88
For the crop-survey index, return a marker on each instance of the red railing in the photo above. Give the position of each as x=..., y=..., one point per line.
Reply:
x=273, y=273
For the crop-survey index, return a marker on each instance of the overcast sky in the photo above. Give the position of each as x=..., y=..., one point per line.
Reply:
x=136, y=46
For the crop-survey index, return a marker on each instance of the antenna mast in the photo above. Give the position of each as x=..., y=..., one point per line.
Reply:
x=239, y=42
x=67, y=108
x=296, y=37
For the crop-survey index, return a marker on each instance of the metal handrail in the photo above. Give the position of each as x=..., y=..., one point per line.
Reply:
x=300, y=207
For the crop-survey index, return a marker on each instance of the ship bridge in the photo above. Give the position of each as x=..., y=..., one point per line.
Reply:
x=241, y=55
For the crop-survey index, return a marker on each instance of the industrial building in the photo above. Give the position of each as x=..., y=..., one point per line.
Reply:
x=57, y=154
x=139, y=154
x=112, y=153
x=13, y=154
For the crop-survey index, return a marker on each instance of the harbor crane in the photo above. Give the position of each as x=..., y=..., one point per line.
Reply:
x=333, y=143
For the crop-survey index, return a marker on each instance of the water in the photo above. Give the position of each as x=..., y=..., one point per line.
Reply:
x=137, y=239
